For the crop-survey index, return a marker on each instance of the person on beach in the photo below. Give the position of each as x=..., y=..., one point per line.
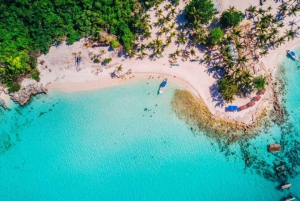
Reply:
x=78, y=60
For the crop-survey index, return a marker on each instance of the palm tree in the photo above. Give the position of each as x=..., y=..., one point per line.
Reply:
x=242, y=60
x=159, y=12
x=207, y=58
x=119, y=68
x=269, y=8
x=293, y=10
x=290, y=34
x=173, y=12
x=252, y=10
x=263, y=53
x=280, y=25
x=143, y=54
x=177, y=52
x=172, y=34
x=282, y=9
x=181, y=39
x=192, y=51
x=147, y=34
x=280, y=41
x=239, y=46
x=237, y=33
x=157, y=43
x=164, y=30
x=168, y=6
x=160, y=21
x=143, y=46
x=172, y=25
x=261, y=11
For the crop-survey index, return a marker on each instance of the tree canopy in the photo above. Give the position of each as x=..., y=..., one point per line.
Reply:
x=30, y=27
x=231, y=18
x=200, y=10
x=259, y=82
x=214, y=36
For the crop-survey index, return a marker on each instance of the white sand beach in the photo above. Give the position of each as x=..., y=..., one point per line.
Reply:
x=58, y=71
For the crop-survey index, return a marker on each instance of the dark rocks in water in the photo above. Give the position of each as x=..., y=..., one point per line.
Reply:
x=145, y=109
x=29, y=87
x=5, y=142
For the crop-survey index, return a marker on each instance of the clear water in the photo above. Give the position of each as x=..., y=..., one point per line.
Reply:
x=125, y=143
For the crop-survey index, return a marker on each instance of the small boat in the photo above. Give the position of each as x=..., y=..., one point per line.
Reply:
x=163, y=85
x=285, y=186
x=292, y=54
x=290, y=198
x=274, y=148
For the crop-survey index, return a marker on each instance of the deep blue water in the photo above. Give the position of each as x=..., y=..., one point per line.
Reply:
x=125, y=143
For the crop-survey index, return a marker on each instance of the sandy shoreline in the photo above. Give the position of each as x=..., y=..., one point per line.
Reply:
x=59, y=72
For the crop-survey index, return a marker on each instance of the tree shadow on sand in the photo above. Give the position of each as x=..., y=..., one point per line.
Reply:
x=216, y=96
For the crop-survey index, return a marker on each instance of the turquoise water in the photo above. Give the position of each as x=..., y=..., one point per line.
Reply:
x=125, y=143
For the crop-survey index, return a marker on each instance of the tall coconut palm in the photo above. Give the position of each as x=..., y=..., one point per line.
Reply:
x=282, y=9
x=242, y=60
x=147, y=34
x=290, y=34
x=159, y=13
x=193, y=52
x=293, y=10
x=173, y=12
x=252, y=11
x=269, y=8
x=168, y=6
x=119, y=68
x=181, y=39
x=177, y=52
x=263, y=53
x=280, y=41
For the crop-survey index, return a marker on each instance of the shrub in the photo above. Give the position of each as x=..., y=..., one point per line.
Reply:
x=96, y=60
x=259, y=82
x=107, y=60
x=114, y=44
x=231, y=18
x=215, y=36
x=35, y=74
x=13, y=87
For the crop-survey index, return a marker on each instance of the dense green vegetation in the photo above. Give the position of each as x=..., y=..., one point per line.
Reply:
x=30, y=27
x=214, y=37
x=259, y=82
x=200, y=10
x=231, y=18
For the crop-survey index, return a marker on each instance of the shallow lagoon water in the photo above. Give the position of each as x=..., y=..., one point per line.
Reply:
x=125, y=143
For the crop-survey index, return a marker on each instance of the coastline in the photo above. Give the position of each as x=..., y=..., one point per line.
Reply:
x=248, y=117
x=58, y=71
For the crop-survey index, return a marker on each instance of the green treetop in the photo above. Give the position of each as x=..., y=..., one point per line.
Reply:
x=231, y=18
x=259, y=82
x=200, y=10
x=214, y=36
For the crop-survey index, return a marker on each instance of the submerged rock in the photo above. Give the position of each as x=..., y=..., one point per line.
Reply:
x=29, y=87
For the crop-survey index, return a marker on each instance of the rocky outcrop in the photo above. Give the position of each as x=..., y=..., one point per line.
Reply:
x=29, y=87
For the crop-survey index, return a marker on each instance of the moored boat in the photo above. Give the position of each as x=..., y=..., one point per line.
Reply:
x=163, y=85
x=292, y=54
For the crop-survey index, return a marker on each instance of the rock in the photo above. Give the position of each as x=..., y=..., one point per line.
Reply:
x=29, y=87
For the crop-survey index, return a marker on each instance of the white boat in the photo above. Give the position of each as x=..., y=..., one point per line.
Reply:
x=292, y=54
x=163, y=85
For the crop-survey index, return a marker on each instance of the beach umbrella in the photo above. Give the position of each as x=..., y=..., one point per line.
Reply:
x=256, y=98
x=243, y=107
x=261, y=92
x=250, y=104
